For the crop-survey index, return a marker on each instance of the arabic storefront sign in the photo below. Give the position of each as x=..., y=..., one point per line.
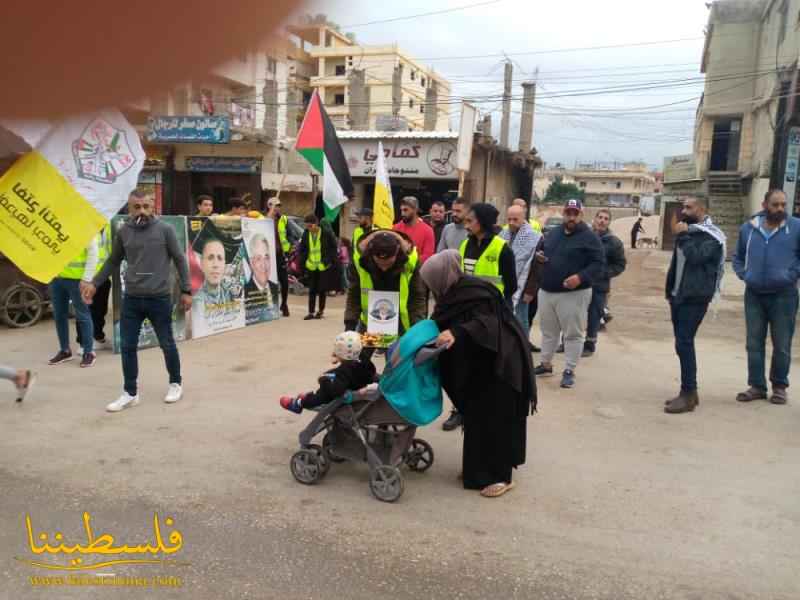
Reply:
x=224, y=164
x=204, y=130
x=679, y=168
x=406, y=158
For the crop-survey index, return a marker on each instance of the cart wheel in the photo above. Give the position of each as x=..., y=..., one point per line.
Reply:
x=305, y=467
x=419, y=456
x=322, y=459
x=386, y=483
x=22, y=305
x=327, y=443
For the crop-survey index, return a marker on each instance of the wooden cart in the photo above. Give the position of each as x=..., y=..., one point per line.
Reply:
x=23, y=301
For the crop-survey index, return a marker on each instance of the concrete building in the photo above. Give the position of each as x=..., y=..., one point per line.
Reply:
x=603, y=184
x=372, y=87
x=747, y=129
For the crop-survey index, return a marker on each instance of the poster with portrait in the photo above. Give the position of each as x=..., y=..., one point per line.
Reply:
x=261, y=288
x=383, y=310
x=216, y=263
x=147, y=336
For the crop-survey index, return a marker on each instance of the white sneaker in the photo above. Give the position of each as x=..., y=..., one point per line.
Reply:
x=174, y=393
x=123, y=402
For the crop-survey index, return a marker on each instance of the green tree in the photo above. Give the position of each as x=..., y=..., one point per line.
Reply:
x=561, y=192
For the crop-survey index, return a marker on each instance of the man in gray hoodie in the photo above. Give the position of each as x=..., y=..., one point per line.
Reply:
x=148, y=246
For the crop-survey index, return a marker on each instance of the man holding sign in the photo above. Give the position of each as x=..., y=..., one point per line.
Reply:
x=387, y=265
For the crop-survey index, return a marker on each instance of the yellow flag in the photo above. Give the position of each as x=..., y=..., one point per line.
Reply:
x=56, y=198
x=383, y=204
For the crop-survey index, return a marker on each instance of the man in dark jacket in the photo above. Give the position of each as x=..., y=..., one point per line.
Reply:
x=767, y=259
x=615, y=266
x=692, y=281
x=572, y=258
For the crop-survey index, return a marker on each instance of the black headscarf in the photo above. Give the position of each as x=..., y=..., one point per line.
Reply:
x=486, y=214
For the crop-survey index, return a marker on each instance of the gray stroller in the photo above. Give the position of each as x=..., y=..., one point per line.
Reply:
x=364, y=427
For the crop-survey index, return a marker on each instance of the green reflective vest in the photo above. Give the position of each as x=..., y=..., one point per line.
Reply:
x=284, y=241
x=488, y=265
x=314, y=260
x=365, y=281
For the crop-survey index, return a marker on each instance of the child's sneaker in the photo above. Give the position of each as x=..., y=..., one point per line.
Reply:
x=293, y=404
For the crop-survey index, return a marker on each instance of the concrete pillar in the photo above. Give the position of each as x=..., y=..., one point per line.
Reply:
x=526, y=123
x=270, y=95
x=359, y=100
x=397, y=90
x=431, y=105
x=505, y=123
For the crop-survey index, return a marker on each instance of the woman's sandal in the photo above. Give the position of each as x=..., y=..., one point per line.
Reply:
x=496, y=490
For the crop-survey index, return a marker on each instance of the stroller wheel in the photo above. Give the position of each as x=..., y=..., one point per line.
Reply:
x=386, y=483
x=327, y=443
x=419, y=456
x=322, y=459
x=305, y=467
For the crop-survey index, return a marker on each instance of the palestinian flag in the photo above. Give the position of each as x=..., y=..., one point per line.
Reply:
x=318, y=144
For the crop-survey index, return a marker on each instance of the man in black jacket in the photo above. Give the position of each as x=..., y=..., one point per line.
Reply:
x=615, y=266
x=572, y=259
x=692, y=281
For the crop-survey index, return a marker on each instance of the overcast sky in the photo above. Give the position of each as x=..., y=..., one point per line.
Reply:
x=566, y=128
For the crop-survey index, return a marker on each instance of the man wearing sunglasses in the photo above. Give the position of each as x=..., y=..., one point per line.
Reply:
x=149, y=246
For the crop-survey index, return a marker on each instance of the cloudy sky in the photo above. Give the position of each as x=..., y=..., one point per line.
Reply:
x=613, y=104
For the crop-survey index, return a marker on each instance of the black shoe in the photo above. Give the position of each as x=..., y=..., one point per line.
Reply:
x=535, y=349
x=89, y=358
x=61, y=357
x=308, y=317
x=588, y=350
x=285, y=310
x=560, y=349
x=319, y=315
x=567, y=379
x=542, y=371
x=453, y=421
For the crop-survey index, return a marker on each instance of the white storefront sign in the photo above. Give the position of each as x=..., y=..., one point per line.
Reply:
x=679, y=168
x=405, y=158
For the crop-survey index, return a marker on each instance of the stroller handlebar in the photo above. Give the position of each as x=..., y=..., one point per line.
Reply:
x=427, y=352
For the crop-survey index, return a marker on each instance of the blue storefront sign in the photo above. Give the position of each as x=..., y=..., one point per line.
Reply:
x=201, y=130
x=224, y=164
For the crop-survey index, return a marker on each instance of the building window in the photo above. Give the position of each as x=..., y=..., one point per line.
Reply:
x=339, y=70
x=272, y=65
x=410, y=103
x=582, y=184
x=338, y=99
x=413, y=75
x=422, y=108
x=422, y=81
x=619, y=185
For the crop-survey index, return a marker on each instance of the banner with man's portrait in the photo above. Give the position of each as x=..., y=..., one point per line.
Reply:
x=216, y=263
x=261, y=288
x=147, y=336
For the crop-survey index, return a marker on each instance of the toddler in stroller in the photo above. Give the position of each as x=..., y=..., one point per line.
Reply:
x=377, y=425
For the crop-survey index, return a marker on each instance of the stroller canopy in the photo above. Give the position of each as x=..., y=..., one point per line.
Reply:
x=412, y=387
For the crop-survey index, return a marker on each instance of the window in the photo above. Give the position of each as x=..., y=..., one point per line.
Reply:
x=422, y=81
x=619, y=185
x=422, y=108
x=338, y=100
x=410, y=103
x=339, y=70
x=582, y=184
x=413, y=75
x=272, y=65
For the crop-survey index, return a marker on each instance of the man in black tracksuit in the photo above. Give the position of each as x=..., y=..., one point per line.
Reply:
x=615, y=266
x=691, y=285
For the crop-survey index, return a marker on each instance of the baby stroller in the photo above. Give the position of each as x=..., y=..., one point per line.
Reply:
x=378, y=426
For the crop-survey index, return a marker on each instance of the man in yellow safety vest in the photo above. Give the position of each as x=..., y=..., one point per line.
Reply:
x=99, y=307
x=66, y=287
x=282, y=251
x=387, y=262
x=365, y=226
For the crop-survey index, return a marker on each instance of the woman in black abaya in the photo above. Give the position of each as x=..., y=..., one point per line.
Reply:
x=486, y=371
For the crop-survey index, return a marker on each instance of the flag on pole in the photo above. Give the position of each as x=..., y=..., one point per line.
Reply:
x=318, y=144
x=383, y=204
x=56, y=198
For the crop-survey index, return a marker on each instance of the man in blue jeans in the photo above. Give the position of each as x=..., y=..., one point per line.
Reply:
x=768, y=261
x=695, y=273
x=68, y=287
x=149, y=246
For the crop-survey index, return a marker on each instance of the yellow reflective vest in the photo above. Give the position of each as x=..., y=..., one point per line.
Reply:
x=487, y=266
x=314, y=260
x=365, y=282
x=284, y=241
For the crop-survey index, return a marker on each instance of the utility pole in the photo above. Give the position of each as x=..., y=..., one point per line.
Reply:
x=504, y=125
x=526, y=122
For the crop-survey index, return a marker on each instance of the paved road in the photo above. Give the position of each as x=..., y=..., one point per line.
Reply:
x=617, y=500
